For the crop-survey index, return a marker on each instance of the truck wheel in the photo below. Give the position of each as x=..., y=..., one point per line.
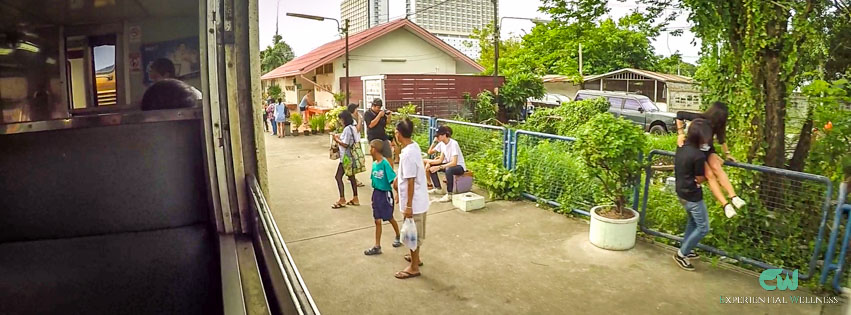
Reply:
x=658, y=130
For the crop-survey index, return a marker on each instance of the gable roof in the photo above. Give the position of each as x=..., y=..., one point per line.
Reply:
x=335, y=49
x=664, y=77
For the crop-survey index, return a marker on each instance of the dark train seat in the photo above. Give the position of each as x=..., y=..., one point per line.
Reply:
x=107, y=220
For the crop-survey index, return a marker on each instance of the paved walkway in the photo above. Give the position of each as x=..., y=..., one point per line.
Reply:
x=509, y=258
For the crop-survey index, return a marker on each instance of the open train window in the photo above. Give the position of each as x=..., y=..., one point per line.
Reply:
x=91, y=71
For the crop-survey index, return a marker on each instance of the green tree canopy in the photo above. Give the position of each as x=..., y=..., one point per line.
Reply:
x=553, y=48
x=754, y=54
x=275, y=55
x=674, y=64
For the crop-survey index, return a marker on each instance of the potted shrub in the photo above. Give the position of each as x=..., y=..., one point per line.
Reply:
x=314, y=127
x=320, y=123
x=295, y=121
x=610, y=147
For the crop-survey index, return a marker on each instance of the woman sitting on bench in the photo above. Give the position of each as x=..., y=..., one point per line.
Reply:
x=452, y=163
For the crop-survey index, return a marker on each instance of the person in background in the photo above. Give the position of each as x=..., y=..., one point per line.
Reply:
x=451, y=162
x=716, y=117
x=382, y=196
x=281, y=114
x=168, y=94
x=376, y=120
x=163, y=68
x=265, y=116
x=345, y=141
x=353, y=109
x=413, y=196
x=270, y=113
x=303, y=105
x=436, y=147
x=690, y=172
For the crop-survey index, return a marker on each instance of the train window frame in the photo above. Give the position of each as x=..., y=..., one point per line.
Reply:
x=86, y=33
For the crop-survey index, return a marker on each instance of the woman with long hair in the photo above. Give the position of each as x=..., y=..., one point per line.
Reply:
x=349, y=139
x=715, y=175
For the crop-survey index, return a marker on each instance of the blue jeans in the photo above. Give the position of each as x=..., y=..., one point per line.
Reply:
x=274, y=127
x=697, y=226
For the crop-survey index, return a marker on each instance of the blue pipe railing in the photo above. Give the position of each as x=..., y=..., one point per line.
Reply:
x=843, y=210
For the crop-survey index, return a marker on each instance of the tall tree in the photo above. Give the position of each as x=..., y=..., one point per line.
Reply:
x=275, y=55
x=674, y=64
x=754, y=55
x=553, y=48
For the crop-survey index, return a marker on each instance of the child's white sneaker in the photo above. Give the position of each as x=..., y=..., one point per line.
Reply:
x=445, y=198
x=435, y=191
x=738, y=202
x=729, y=211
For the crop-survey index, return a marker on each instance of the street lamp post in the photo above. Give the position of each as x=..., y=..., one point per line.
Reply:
x=344, y=30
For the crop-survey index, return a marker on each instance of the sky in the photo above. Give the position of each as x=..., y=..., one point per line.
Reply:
x=305, y=35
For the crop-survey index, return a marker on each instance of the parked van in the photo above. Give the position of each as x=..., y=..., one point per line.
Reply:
x=638, y=108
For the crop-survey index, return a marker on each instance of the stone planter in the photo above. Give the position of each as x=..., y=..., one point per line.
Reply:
x=612, y=234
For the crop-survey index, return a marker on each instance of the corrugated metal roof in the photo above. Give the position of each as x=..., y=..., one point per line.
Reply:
x=332, y=50
x=664, y=77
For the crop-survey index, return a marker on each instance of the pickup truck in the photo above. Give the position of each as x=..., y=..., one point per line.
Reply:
x=637, y=108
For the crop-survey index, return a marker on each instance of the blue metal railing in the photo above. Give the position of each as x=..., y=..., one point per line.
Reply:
x=763, y=169
x=513, y=147
x=843, y=210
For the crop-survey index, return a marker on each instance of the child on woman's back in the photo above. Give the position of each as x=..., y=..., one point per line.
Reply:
x=382, y=198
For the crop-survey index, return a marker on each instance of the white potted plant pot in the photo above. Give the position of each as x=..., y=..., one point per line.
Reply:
x=613, y=234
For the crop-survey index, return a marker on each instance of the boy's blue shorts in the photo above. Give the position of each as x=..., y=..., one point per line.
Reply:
x=382, y=205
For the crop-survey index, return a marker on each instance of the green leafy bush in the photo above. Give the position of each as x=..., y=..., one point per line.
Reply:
x=831, y=143
x=332, y=118
x=274, y=91
x=518, y=88
x=493, y=177
x=295, y=120
x=485, y=109
x=611, y=147
x=566, y=119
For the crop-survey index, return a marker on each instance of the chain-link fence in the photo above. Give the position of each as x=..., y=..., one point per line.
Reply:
x=837, y=258
x=552, y=172
x=480, y=144
x=782, y=225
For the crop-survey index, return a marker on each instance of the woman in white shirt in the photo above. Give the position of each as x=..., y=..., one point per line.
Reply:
x=452, y=163
x=349, y=138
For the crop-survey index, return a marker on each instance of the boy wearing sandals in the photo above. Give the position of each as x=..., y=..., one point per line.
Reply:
x=382, y=199
x=413, y=196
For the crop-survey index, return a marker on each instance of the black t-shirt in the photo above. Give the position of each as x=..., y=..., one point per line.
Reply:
x=718, y=132
x=378, y=131
x=688, y=164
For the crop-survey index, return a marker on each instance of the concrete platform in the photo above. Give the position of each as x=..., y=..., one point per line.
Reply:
x=509, y=258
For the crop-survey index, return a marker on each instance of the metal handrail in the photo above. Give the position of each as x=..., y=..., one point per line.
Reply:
x=298, y=289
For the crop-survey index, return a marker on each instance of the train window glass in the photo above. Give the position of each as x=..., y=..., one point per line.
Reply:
x=90, y=67
x=103, y=53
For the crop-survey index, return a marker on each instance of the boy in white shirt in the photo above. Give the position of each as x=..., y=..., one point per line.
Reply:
x=413, y=196
x=451, y=162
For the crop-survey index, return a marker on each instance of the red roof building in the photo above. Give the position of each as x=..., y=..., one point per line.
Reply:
x=396, y=47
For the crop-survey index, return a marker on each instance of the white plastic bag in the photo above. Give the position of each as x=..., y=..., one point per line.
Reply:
x=409, y=233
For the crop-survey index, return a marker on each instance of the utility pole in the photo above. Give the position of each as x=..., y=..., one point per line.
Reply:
x=495, y=48
x=346, y=30
x=580, y=59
